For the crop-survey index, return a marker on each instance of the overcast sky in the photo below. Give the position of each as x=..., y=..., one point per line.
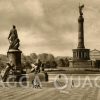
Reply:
x=49, y=26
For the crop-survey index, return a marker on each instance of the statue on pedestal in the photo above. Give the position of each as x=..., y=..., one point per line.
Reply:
x=14, y=54
x=13, y=38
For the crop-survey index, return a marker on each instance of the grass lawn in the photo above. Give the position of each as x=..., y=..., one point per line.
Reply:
x=73, y=71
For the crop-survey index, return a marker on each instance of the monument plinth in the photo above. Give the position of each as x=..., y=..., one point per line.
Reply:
x=14, y=57
x=81, y=55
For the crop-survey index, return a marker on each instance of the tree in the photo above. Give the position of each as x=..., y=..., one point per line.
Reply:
x=33, y=57
x=53, y=64
x=43, y=57
x=47, y=64
x=61, y=62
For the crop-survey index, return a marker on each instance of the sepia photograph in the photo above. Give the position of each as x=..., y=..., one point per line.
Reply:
x=49, y=50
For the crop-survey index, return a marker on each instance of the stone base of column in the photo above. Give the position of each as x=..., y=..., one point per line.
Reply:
x=81, y=58
x=81, y=64
x=81, y=54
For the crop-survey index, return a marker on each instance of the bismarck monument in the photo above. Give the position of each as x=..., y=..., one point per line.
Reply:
x=14, y=71
x=81, y=55
x=14, y=54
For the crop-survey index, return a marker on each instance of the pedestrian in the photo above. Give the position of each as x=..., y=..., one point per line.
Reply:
x=37, y=83
x=72, y=83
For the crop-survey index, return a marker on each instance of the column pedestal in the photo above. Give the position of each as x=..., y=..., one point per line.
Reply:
x=81, y=54
x=81, y=58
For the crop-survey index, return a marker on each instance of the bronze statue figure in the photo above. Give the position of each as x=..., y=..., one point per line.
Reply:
x=13, y=38
x=80, y=9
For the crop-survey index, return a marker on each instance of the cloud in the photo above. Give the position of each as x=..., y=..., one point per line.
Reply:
x=49, y=25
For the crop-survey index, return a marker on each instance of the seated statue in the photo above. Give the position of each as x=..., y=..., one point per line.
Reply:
x=13, y=38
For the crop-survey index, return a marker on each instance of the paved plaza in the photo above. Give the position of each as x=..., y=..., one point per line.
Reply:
x=48, y=93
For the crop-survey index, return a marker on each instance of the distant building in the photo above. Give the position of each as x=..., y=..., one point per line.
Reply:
x=95, y=57
x=95, y=54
